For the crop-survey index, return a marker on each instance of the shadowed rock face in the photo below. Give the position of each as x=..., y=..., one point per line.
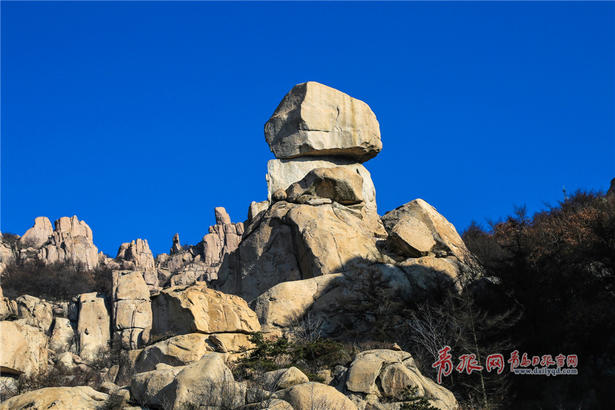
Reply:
x=316, y=120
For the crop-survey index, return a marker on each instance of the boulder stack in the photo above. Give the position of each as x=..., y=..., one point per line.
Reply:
x=322, y=214
x=316, y=126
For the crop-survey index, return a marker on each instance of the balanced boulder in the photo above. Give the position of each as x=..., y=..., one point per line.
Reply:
x=316, y=120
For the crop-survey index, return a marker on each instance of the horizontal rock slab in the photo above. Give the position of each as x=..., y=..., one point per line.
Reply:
x=314, y=119
x=198, y=309
x=81, y=397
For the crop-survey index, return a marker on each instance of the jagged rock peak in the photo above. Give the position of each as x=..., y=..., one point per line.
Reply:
x=136, y=255
x=316, y=120
x=176, y=247
x=39, y=234
x=70, y=241
x=222, y=217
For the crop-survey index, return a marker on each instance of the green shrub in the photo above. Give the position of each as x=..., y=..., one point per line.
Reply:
x=60, y=281
x=308, y=356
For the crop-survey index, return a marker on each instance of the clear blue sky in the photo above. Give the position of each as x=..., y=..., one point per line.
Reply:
x=142, y=117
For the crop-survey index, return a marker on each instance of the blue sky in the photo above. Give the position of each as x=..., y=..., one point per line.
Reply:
x=142, y=117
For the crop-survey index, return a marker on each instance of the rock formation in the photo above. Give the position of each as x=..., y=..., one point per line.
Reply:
x=132, y=311
x=202, y=262
x=39, y=234
x=71, y=241
x=93, y=326
x=308, y=253
x=136, y=255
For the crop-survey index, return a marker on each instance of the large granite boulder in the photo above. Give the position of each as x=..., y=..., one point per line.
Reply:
x=81, y=397
x=93, y=326
x=132, y=311
x=417, y=229
x=208, y=383
x=23, y=349
x=316, y=120
x=198, y=309
x=155, y=388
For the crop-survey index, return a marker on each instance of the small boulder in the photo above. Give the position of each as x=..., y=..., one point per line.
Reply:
x=282, y=379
